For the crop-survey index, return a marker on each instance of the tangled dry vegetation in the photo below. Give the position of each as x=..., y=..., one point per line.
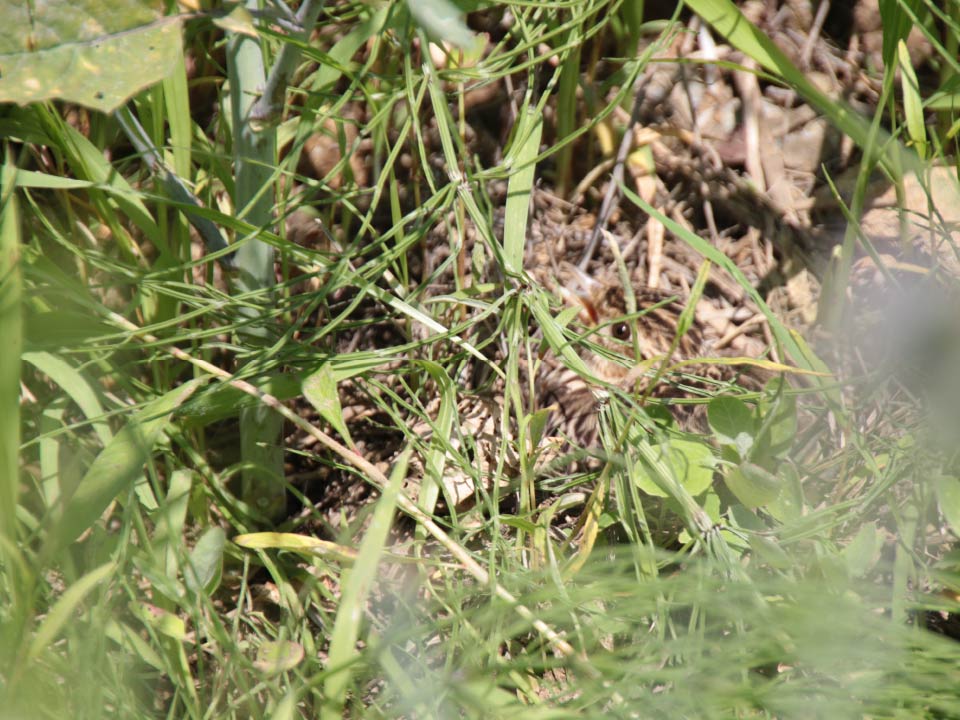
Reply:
x=709, y=144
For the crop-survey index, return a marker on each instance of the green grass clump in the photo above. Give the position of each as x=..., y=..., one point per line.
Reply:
x=176, y=412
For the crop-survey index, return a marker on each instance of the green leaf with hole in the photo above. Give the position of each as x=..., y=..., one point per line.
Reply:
x=320, y=389
x=692, y=464
x=732, y=423
x=96, y=53
x=753, y=485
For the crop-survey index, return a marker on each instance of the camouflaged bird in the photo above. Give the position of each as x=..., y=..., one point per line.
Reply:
x=628, y=351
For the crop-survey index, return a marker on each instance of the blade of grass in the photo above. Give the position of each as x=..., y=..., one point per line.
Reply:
x=11, y=330
x=254, y=157
x=557, y=643
x=115, y=468
x=356, y=588
x=519, y=188
x=65, y=609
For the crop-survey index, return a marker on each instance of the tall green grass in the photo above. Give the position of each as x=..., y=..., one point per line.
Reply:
x=799, y=587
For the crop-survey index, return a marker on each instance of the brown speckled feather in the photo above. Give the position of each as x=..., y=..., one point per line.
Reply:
x=632, y=349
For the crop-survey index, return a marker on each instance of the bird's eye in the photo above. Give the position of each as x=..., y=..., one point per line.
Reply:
x=621, y=331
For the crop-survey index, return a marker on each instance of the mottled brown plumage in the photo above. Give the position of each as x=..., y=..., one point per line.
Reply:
x=630, y=351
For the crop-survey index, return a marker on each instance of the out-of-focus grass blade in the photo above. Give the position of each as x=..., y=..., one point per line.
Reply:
x=345, y=48
x=129, y=639
x=65, y=608
x=864, y=550
x=518, y=190
x=88, y=161
x=223, y=400
x=443, y=21
x=11, y=330
x=74, y=384
x=286, y=708
x=117, y=466
x=356, y=587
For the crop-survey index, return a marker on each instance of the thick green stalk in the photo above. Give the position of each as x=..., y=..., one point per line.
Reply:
x=11, y=325
x=254, y=153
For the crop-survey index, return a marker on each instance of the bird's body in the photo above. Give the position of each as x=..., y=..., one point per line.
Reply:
x=629, y=351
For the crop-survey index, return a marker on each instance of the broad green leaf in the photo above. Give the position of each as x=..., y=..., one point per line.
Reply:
x=203, y=571
x=286, y=709
x=277, y=656
x=770, y=552
x=164, y=621
x=730, y=419
x=692, y=464
x=170, y=519
x=237, y=20
x=948, y=498
x=753, y=486
x=117, y=466
x=320, y=389
x=788, y=507
x=534, y=426
x=864, y=550
x=55, y=329
x=96, y=53
x=130, y=640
